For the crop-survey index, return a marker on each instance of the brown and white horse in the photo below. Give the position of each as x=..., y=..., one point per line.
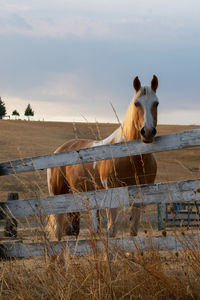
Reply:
x=140, y=123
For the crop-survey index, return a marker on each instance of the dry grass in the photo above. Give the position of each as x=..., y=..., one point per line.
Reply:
x=152, y=275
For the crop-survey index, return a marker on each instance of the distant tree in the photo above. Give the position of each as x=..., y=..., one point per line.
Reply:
x=2, y=109
x=29, y=112
x=15, y=113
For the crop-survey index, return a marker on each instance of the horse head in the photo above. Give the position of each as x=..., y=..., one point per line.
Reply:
x=145, y=109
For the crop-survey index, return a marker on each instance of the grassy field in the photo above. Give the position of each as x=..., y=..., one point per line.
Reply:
x=152, y=275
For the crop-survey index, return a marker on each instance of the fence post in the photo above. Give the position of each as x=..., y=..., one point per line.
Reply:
x=10, y=229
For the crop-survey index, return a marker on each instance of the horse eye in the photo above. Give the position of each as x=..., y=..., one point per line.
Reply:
x=137, y=104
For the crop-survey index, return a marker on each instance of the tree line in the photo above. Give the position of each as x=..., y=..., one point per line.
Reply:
x=28, y=111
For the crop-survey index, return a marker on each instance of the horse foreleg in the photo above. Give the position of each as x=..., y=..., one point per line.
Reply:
x=59, y=223
x=134, y=219
x=111, y=221
x=73, y=224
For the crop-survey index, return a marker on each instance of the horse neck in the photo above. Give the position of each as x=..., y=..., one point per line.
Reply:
x=128, y=129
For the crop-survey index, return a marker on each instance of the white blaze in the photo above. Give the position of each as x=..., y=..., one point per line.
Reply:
x=147, y=100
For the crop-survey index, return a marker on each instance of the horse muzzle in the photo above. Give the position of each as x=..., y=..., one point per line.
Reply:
x=148, y=134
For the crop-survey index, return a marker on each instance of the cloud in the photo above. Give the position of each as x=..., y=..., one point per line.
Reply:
x=78, y=112
x=72, y=57
x=117, y=19
x=7, y=7
x=62, y=85
x=70, y=26
x=64, y=97
x=14, y=23
x=76, y=96
x=59, y=110
x=19, y=22
x=179, y=117
x=69, y=86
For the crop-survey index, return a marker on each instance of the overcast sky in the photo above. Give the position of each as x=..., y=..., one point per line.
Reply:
x=70, y=59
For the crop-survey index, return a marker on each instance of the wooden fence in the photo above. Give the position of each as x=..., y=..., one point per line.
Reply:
x=168, y=192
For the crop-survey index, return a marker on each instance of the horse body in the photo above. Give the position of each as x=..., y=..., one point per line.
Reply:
x=139, y=123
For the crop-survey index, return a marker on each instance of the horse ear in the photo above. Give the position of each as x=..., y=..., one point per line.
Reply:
x=154, y=83
x=136, y=84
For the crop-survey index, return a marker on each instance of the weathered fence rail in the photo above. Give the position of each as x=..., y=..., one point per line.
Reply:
x=82, y=247
x=180, y=191
x=174, y=141
x=177, y=191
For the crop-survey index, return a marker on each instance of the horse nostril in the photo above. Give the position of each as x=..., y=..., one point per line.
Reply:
x=142, y=131
x=154, y=131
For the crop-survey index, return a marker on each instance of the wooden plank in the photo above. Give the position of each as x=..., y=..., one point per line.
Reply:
x=183, y=213
x=183, y=217
x=81, y=247
x=182, y=224
x=188, y=205
x=177, y=191
x=184, y=139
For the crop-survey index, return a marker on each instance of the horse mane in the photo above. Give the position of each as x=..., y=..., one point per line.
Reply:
x=128, y=130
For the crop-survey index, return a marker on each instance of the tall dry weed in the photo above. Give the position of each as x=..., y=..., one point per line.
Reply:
x=106, y=274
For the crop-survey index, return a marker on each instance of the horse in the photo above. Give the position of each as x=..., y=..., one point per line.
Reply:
x=139, y=124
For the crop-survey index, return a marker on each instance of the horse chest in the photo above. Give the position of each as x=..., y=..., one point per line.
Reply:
x=129, y=170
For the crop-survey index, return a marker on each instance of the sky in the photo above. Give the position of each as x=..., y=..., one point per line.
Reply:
x=72, y=59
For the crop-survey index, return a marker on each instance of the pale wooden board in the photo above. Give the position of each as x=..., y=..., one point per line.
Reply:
x=179, y=140
x=194, y=217
x=166, y=192
x=127, y=244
